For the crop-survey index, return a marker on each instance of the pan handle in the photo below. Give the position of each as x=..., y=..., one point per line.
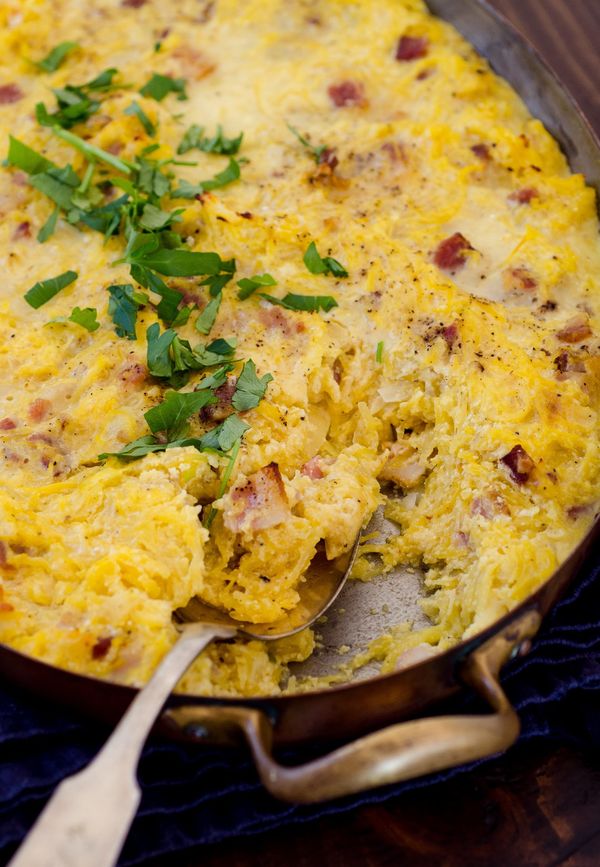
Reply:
x=399, y=752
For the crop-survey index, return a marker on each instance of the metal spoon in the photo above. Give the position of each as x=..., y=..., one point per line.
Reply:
x=88, y=817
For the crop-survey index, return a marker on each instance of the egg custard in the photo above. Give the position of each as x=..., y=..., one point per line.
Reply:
x=267, y=265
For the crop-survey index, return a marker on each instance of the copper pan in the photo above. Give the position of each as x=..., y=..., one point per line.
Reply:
x=387, y=750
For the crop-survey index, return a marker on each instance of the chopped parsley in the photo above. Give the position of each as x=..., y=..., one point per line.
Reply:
x=231, y=173
x=309, y=303
x=160, y=86
x=87, y=318
x=379, y=352
x=169, y=355
x=172, y=263
x=224, y=436
x=170, y=299
x=318, y=264
x=250, y=389
x=55, y=58
x=91, y=151
x=44, y=290
x=172, y=414
x=212, y=513
x=136, y=109
x=194, y=139
x=123, y=307
x=249, y=285
x=316, y=152
x=76, y=103
x=217, y=282
x=21, y=156
x=206, y=319
x=49, y=226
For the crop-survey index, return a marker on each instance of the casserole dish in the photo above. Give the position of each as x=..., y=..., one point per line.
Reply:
x=353, y=709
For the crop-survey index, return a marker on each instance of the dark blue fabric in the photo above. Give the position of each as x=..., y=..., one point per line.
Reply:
x=194, y=795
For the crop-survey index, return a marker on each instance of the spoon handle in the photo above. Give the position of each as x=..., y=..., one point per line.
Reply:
x=87, y=819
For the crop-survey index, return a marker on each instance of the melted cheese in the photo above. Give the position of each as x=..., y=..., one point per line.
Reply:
x=95, y=557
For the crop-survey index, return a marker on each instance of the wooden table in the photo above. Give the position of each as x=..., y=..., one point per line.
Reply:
x=535, y=807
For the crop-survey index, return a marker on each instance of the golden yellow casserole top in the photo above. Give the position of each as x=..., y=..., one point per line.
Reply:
x=388, y=179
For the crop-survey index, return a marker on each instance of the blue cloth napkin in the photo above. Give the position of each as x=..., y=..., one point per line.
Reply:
x=194, y=795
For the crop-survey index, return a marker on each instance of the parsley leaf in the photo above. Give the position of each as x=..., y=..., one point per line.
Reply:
x=224, y=436
x=23, y=157
x=123, y=307
x=231, y=173
x=168, y=308
x=54, y=59
x=224, y=481
x=310, y=303
x=136, y=109
x=87, y=318
x=160, y=86
x=44, y=290
x=217, y=283
x=206, y=319
x=249, y=285
x=175, y=263
x=158, y=358
x=107, y=218
x=322, y=265
x=315, y=152
x=172, y=414
x=137, y=449
x=49, y=226
x=58, y=184
x=250, y=389
x=217, y=144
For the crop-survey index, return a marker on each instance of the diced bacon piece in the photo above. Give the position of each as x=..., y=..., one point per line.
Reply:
x=402, y=468
x=7, y=424
x=347, y=93
x=451, y=253
x=328, y=158
x=3, y=556
x=192, y=62
x=115, y=147
x=576, y=329
x=313, y=468
x=10, y=93
x=461, y=539
x=576, y=512
x=489, y=505
x=519, y=464
x=566, y=366
x=275, y=317
x=411, y=48
x=133, y=4
x=133, y=372
x=395, y=151
x=259, y=503
x=524, y=196
x=450, y=334
x=519, y=280
x=482, y=151
x=101, y=647
x=42, y=438
x=6, y=606
x=23, y=230
x=38, y=409
x=223, y=407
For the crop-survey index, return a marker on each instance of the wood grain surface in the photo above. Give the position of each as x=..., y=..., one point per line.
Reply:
x=535, y=807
